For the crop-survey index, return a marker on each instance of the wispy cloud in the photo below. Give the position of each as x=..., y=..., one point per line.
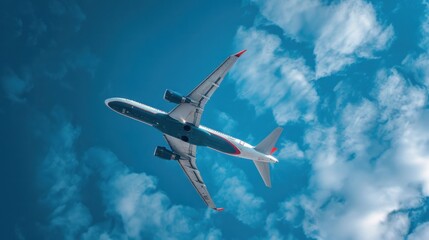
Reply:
x=212, y=234
x=272, y=232
x=269, y=79
x=133, y=197
x=235, y=192
x=421, y=232
x=69, y=11
x=15, y=87
x=368, y=167
x=60, y=178
x=368, y=162
x=424, y=28
x=290, y=150
x=418, y=64
x=227, y=122
x=133, y=206
x=49, y=55
x=234, y=189
x=357, y=120
x=69, y=62
x=341, y=32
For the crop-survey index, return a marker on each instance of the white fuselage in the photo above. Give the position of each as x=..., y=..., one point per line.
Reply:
x=247, y=151
x=243, y=149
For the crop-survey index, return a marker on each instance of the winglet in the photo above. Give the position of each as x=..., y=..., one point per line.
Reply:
x=218, y=209
x=239, y=53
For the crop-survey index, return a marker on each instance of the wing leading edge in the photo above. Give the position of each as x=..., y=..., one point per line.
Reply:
x=187, y=160
x=191, y=112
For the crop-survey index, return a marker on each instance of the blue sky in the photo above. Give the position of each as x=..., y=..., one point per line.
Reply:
x=348, y=81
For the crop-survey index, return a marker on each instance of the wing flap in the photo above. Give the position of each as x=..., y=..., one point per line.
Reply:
x=188, y=164
x=195, y=179
x=191, y=112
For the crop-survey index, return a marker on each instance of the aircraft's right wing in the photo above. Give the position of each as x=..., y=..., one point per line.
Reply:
x=187, y=159
x=191, y=112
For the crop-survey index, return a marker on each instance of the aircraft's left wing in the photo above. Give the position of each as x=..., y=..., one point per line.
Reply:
x=187, y=159
x=191, y=112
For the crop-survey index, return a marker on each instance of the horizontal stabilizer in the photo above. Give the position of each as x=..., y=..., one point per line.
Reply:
x=264, y=170
x=267, y=145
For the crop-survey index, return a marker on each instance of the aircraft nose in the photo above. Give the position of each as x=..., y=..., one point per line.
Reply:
x=109, y=102
x=113, y=103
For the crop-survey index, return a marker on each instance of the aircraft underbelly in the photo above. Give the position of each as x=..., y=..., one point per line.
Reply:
x=195, y=135
x=222, y=145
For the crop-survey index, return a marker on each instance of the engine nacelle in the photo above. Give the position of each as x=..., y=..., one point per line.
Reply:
x=164, y=153
x=175, y=97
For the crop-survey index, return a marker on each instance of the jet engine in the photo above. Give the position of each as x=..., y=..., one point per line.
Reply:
x=164, y=153
x=175, y=97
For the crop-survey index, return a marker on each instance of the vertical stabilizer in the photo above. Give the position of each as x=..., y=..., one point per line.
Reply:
x=267, y=145
x=264, y=170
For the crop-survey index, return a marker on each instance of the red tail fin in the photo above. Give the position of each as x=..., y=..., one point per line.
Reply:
x=273, y=150
x=267, y=145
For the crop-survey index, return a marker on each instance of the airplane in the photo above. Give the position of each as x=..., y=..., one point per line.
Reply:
x=182, y=130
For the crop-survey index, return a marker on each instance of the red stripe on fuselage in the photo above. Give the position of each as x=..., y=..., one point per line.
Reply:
x=237, y=151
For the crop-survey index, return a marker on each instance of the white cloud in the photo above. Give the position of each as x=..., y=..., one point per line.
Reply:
x=369, y=163
x=144, y=211
x=269, y=79
x=99, y=232
x=397, y=225
x=369, y=167
x=357, y=121
x=329, y=168
x=397, y=101
x=419, y=65
x=59, y=176
x=420, y=233
x=228, y=123
x=424, y=42
x=235, y=193
x=290, y=150
x=212, y=234
x=272, y=232
x=341, y=32
x=133, y=206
